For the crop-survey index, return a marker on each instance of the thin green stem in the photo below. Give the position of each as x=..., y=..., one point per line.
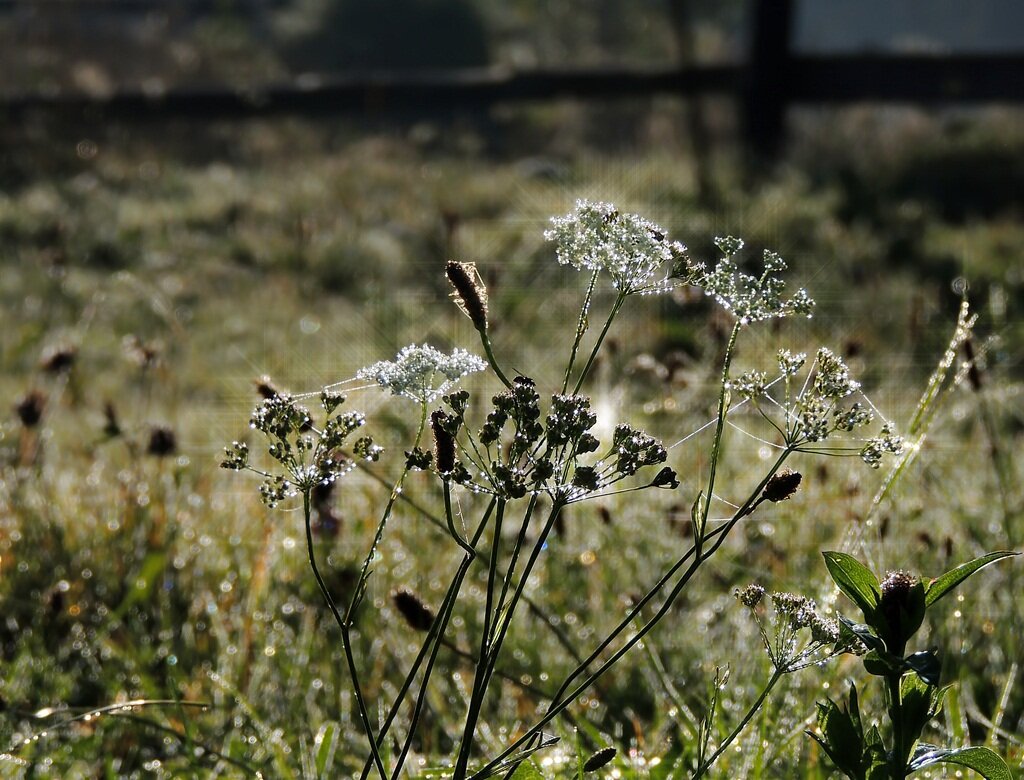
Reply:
x=581, y=328
x=561, y=699
x=619, y=300
x=480, y=676
x=396, y=491
x=900, y=751
x=751, y=712
x=345, y=638
x=489, y=352
x=435, y=636
x=520, y=539
x=493, y=648
x=716, y=449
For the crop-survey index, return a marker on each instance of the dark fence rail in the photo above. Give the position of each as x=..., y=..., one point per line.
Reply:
x=801, y=79
x=772, y=79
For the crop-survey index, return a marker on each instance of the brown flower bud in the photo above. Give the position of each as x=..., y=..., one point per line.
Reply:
x=470, y=293
x=782, y=486
x=896, y=586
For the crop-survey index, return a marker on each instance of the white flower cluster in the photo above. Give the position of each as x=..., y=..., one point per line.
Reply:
x=748, y=297
x=788, y=648
x=790, y=364
x=887, y=441
x=414, y=370
x=632, y=250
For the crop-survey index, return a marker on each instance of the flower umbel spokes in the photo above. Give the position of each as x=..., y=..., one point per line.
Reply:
x=820, y=415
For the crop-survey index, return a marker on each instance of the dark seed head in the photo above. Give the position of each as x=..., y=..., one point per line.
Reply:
x=470, y=293
x=666, y=479
x=30, y=408
x=58, y=359
x=417, y=614
x=111, y=426
x=265, y=388
x=599, y=759
x=162, y=442
x=444, y=443
x=782, y=486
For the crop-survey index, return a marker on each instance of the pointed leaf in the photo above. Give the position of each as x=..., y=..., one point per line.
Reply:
x=829, y=752
x=875, y=756
x=942, y=585
x=982, y=760
x=855, y=580
x=926, y=664
x=863, y=632
x=325, y=743
x=915, y=707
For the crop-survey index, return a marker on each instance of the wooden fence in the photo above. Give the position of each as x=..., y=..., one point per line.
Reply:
x=772, y=78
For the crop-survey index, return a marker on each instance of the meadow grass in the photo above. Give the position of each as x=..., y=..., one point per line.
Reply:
x=134, y=572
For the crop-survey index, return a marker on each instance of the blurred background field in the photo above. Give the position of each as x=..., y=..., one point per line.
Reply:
x=153, y=272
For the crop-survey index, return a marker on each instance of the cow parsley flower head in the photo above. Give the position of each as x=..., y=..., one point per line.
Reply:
x=833, y=378
x=632, y=250
x=752, y=298
x=415, y=370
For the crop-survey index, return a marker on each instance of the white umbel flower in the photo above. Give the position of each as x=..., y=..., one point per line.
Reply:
x=632, y=250
x=415, y=370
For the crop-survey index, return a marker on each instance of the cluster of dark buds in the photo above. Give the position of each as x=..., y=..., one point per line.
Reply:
x=519, y=450
x=307, y=456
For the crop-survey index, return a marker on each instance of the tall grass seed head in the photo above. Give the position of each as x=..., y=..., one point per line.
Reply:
x=444, y=443
x=415, y=369
x=469, y=292
x=902, y=605
x=58, y=358
x=162, y=442
x=632, y=250
x=600, y=759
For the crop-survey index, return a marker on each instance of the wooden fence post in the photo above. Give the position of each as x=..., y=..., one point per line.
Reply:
x=766, y=90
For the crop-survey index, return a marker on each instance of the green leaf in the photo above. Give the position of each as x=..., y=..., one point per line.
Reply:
x=875, y=756
x=982, y=760
x=856, y=581
x=841, y=737
x=942, y=585
x=863, y=632
x=915, y=708
x=325, y=743
x=926, y=664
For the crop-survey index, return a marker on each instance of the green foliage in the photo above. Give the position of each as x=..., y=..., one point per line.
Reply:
x=893, y=612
